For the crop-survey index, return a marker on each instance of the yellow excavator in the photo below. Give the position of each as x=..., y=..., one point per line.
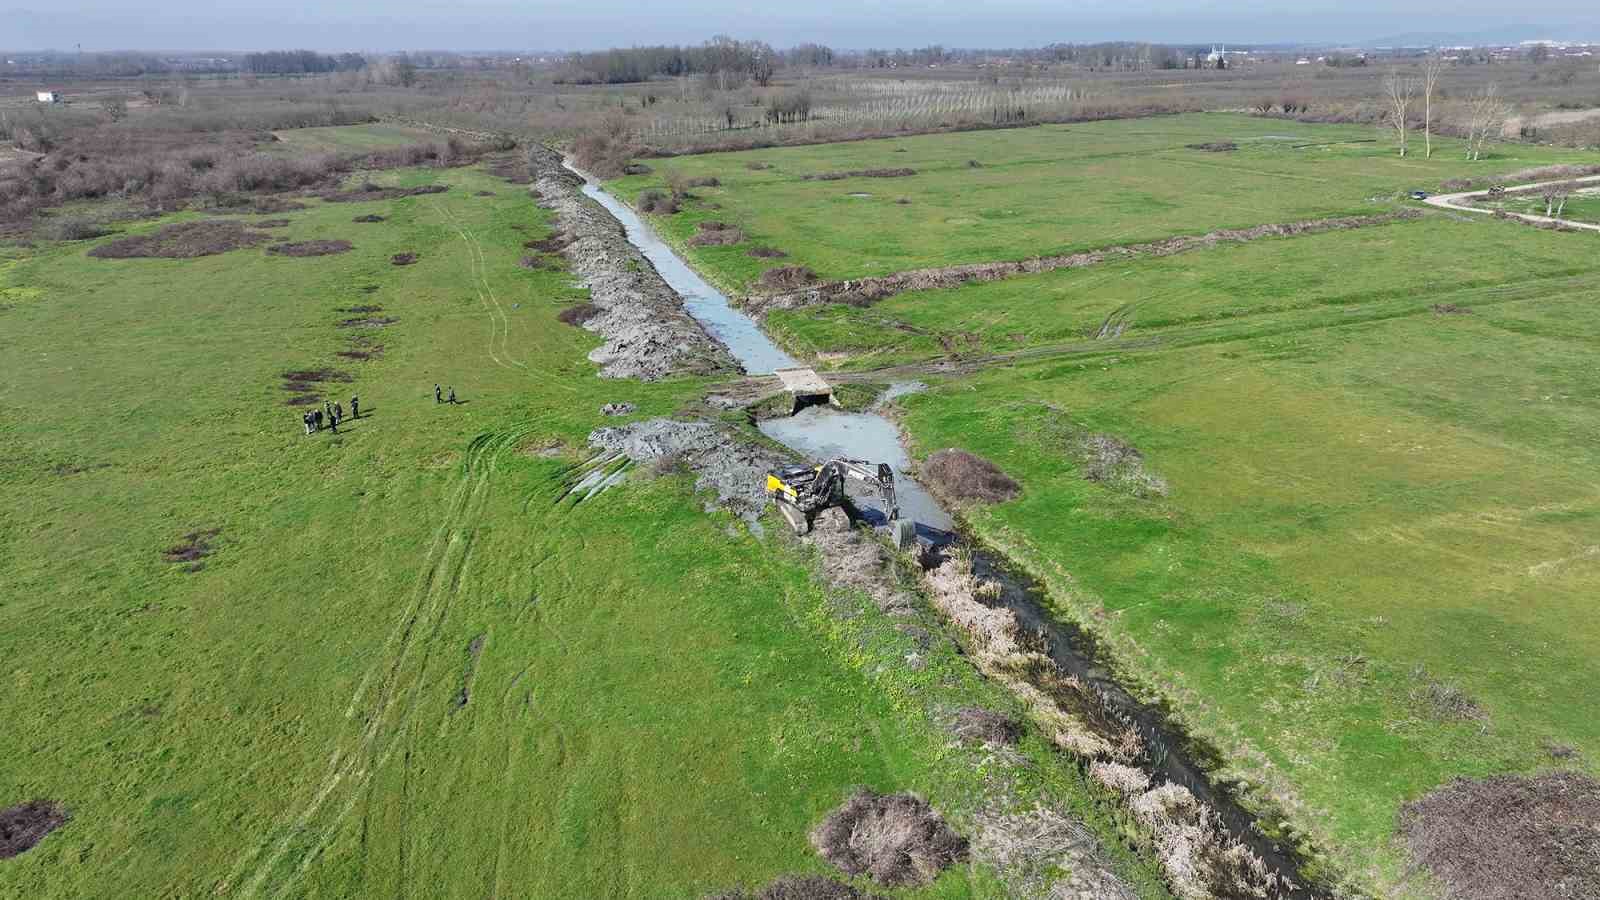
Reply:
x=802, y=492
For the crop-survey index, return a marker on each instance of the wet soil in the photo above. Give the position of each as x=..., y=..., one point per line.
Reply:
x=23, y=826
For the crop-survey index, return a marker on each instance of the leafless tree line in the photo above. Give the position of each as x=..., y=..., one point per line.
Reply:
x=1485, y=113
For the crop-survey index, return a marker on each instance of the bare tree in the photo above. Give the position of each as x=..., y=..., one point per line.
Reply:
x=1555, y=197
x=1399, y=90
x=1486, y=115
x=1432, y=68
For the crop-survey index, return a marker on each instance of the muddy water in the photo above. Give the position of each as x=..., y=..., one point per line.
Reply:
x=822, y=432
x=737, y=331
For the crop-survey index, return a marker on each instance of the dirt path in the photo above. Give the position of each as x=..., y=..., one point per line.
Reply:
x=1455, y=201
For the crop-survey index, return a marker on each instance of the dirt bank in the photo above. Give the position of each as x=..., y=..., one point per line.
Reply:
x=734, y=469
x=647, y=333
x=866, y=291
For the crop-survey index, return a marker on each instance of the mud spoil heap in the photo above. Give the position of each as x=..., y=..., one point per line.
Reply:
x=647, y=333
x=735, y=469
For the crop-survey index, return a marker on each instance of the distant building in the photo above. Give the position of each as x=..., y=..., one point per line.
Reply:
x=49, y=96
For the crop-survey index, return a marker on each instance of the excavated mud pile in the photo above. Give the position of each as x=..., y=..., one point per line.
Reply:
x=735, y=469
x=898, y=839
x=866, y=291
x=647, y=333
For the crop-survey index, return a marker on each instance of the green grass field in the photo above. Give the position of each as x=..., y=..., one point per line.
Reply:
x=404, y=668
x=350, y=138
x=1043, y=190
x=1581, y=207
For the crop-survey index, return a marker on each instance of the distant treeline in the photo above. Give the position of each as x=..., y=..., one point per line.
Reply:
x=721, y=55
x=299, y=62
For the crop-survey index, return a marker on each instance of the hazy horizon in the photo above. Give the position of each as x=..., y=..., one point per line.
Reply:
x=368, y=25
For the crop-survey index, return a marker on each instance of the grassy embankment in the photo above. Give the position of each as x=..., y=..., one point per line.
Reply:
x=350, y=138
x=1373, y=568
x=404, y=667
x=1041, y=191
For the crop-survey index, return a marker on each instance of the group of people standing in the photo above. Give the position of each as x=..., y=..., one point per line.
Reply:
x=330, y=415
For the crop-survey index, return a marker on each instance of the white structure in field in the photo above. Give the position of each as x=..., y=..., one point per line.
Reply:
x=49, y=97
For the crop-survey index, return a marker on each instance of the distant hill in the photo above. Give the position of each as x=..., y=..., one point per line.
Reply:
x=1510, y=34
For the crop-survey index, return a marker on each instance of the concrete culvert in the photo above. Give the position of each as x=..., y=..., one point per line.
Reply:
x=968, y=477
x=976, y=725
x=23, y=826
x=1510, y=836
x=798, y=887
x=898, y=839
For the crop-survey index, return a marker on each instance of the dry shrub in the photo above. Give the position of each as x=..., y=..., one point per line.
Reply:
x=271, y=223
x=1124, y=780
x=1450, y=309
x=704, y=181
x=555, y=243
x=372, y=217
x=579, y=314
x=1510, y=837
x=77, y=230
x=787, y=278
x=974, y=164
x=26, y=824
x=1201, y=860
x=369, y=192
x=194, y=548
x=606, y=147
x=896, y=838
x=653, y=201
x=1033, y=849
x=1215, y=146
x=403, y=259
x=310, y=248
x=967, y=477
x=860, y=173
x=636, y=169
x=767, y=253
x=716, y=234
x=757, y=166
x=1456, y=184
x=976, y=725
x=1109, y=460
x=185, y=240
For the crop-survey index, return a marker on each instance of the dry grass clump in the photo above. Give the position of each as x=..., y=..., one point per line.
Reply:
x=767, y=253
x=1215, y=146
x=798, y=887
x=1444, y=701
x=271, y=223
x=1109, y=460
x=1510, y=837
x=1450, y=309
x=1201, y=860
x=787, y=278
x=26, y=824
x=403, y=259
x=898, y=839
x=555, y=243
x=860, y=173
x=660, y=202
x=371, y=217
x=757, y=166
x=192, y=550
x=636, y=169
x=77, y=230
x=185, y=240
x=968, y=477
x=371, y=192
x=976, y=725
x=310, y=248
x=716, y=234
x=579, y=314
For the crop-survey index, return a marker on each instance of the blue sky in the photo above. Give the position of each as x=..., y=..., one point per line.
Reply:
x=477, y=24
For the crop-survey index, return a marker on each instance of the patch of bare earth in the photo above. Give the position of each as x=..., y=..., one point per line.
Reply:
x=860, y=173
x=578, y=314
x=23, y=826
x=716, y=234
x=185, y=240
x=271, y=223
x=368, y=219
x=403, y=259
x=968, y=477
x=310, y=248
x=1510, y=837
x=1109, y=460
x=976, y=725
x=303, y=384
x=767, y=253
x=787, y=277
x=192, y=550
x=866, y=291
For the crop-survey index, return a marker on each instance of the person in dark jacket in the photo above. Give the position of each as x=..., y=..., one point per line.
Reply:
x=452, y=394
x=438, y=397
x=316, y=420
x=355, y=407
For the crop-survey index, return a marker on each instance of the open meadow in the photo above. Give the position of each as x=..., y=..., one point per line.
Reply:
x=252, y=662
x=1328, y=495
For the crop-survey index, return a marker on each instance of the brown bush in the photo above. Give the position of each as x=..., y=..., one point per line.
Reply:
x=192, y=550
x=716, y=234
x=310, y=248
x=185, y=240
x=767, y=253
x=403, y=259
x=896, y=838
x=977, y=725
x=787, y=277
x=757, y=166
x=370, y=192
x=1510, y=836
x=654, y=201
x=78, y=230
x=968, y=477
x=555, y=243
x=371, y=217
x=579, y=314
x=26, y=824
x=605, y=148
x=1215, y=146
x=636, y=169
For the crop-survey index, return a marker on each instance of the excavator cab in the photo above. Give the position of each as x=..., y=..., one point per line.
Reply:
x=803, y=492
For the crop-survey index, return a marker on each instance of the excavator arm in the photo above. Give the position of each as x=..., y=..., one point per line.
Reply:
x=803, y=492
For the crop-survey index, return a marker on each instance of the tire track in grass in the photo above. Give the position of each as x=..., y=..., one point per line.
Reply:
x=391, y=690
x=499, y=322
